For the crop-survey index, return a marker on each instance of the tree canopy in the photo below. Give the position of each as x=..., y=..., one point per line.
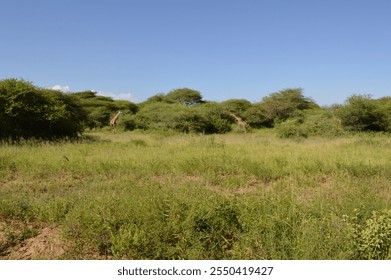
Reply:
x=281, y=105
x=100, y=108
x=31, y=112
x=28, y=111
x=184, y=96
x=362, y=113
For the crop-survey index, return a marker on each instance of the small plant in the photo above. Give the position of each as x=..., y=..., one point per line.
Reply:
x=372, y=237
x=218, y=229
x=16, y=237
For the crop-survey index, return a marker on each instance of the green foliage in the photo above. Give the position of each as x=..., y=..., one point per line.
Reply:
x=280, y=106
x=362, y=113
x=255, y=116
x=322, y=123
x=101, y=108
x=291, y=129
x=184, y=96
x=28, y=111
x=205, y=118
x=236, y=106
x=191, y=121
x=157, y=116
x=219, y=229
x=99, y=117
x=127, y=121
x=372, y=236
x=153, y=99
x=307, y=123
x=217, y=120
x=385, y=108
x=31, y=112
x=124, y=105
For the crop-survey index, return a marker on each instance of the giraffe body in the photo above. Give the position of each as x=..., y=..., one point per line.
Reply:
x=242, y=125
x=113, y=121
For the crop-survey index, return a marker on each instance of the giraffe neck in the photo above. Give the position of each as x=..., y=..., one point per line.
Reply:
x=114, y=119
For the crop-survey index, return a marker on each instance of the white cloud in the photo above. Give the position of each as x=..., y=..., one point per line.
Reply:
x=61, y=88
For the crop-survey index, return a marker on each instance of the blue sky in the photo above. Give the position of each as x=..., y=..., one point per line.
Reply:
x=225, y=49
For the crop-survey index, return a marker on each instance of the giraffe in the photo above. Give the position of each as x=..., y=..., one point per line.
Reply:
x=113, y=121
x=242, y=125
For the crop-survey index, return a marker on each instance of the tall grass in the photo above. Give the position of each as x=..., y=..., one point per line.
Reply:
x=253, y=196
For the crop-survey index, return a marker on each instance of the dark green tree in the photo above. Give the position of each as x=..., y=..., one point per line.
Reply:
x=279, y=106
x=255, y=116
x=32, y=112
x=101, y=108
x=157, y=116
x=217, y=120
x=236, y=106
x=184, y=96
x=362, y=113
x=153, y=99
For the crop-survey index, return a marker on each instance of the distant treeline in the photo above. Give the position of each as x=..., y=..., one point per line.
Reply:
x=28, y=111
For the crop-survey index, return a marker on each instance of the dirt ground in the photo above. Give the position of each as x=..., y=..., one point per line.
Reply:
x=28, y=241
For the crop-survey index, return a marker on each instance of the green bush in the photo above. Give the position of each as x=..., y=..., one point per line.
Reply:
x=291, y=129
x=31, y=112
x=255, y=117
x=218, y=229
x=184, y=96
x=236, y=106
x=322, y=123
x=372, y=236
x=100, y=109
x=310, y=123
x=280, y=106
x=217, y=120
x=158, y=116
x=362, y=113
x=191, y=121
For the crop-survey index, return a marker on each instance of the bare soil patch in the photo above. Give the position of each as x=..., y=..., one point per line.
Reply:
x=22, y=241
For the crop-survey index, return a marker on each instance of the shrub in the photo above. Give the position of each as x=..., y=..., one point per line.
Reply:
x=362, y=113
x=31, y=112
x=281, y=105
x=191, y=121
x=218, y=229
x=184, y=96
x=291, y=129
x=217, y=119
x=310, y=123
x=236, y=106
x=157, y=116
x=372, y=237
x=255, y=117
x=322, y=123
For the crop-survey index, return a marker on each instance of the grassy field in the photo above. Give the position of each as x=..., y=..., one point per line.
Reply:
x=154, y=196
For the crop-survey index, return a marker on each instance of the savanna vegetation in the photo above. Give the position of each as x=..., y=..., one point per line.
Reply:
x=176, y=179
x=27, y=111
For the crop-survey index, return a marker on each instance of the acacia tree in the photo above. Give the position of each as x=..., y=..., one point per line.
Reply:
x=279, y=106
x=255, y=116
x=29, y=111
x=362, y=113
x=236, y=106
x=184, y=96
x=100, y=108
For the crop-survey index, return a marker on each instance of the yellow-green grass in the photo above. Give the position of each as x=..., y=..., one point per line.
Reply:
x=237, y=196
